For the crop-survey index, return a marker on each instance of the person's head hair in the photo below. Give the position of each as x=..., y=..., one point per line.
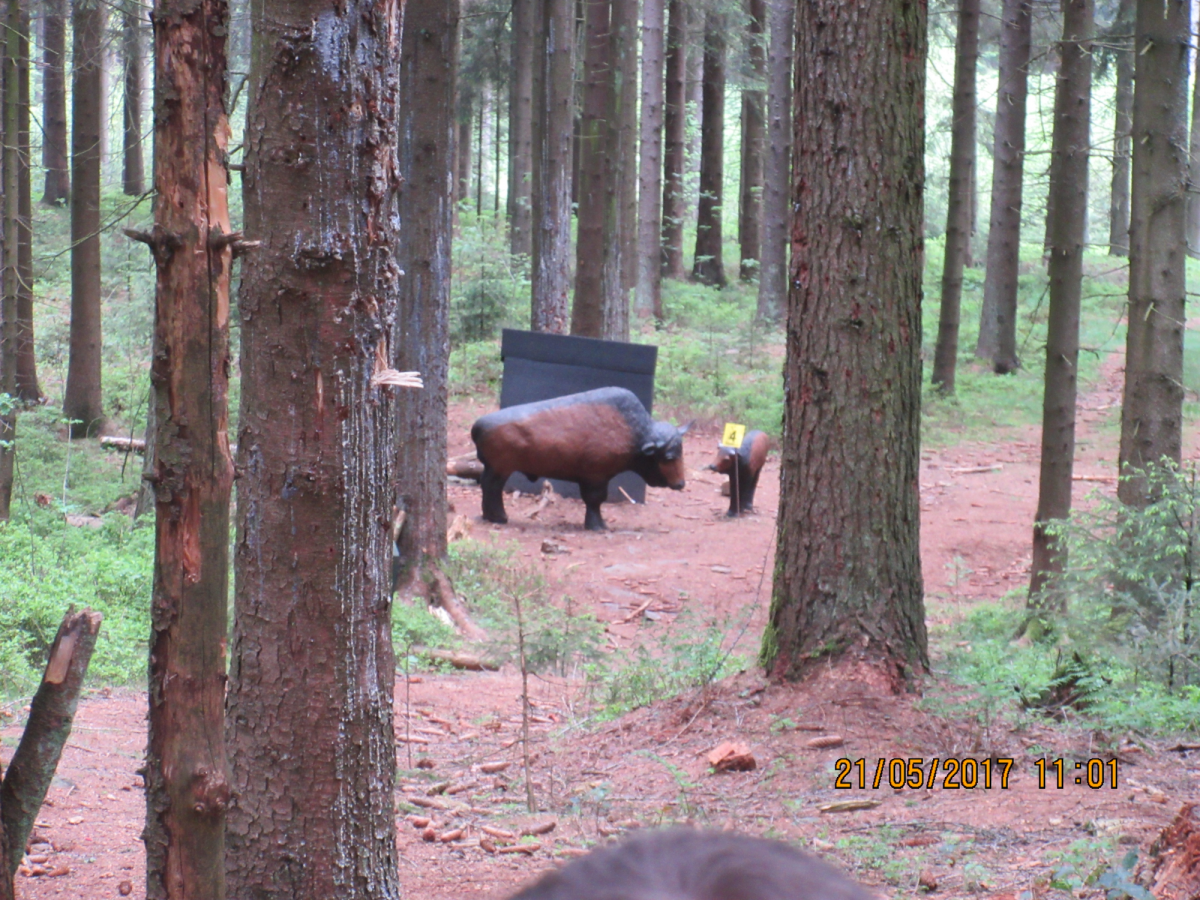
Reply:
x=683, y=864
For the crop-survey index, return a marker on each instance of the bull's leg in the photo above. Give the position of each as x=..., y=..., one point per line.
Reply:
x=493, y=495
x=593, y=495
x=749, y=483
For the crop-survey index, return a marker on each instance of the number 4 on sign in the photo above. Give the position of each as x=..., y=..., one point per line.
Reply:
x=733, y=435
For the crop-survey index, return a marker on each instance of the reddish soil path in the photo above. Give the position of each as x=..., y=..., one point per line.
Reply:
x=679, y=552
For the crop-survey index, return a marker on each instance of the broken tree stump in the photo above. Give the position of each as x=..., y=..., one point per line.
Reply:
x=50, y=717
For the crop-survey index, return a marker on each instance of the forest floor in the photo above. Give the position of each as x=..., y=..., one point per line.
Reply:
x=679, y=552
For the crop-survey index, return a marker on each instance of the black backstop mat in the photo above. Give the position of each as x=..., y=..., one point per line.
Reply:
x=540, y=366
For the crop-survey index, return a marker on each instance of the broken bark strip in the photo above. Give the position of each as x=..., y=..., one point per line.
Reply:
x=193, y=243
x=51, y=714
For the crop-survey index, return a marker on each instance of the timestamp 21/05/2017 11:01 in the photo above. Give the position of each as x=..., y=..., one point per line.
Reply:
x=969, y=773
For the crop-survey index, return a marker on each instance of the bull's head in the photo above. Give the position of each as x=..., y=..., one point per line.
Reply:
x=665, y=448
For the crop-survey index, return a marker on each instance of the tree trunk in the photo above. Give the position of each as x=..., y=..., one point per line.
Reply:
x=429, y=55
x=520, y=129
x=625, y=35
x=187, y=786
x=9, y=165
x=1072, y=113
x=133, y=181
x=27, y=388
x=625, y=141
x=82, y=403
x=649, y=251
x=554, y=124
x=777, y=167
x=997, y=321
x=54, y=109
x=694, y=92
x=1152, y=407
x=51, y=715
x=462, y=152
x=709, y=268
x=958, y=214
x=309, y=709
x=1118, y=211
x=597, y=245
x=1193, y=201
x=848, y=570
x=754, y=103
x=675, y=141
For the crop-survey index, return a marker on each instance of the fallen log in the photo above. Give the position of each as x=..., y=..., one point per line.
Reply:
x=458, y=659
x=125, y=444
x=51, y=714
x=465, y=468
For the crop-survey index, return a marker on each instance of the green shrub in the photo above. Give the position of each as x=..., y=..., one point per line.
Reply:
x=1131, y=581
x=47, y=566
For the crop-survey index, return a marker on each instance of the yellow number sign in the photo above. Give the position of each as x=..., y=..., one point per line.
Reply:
x=733, y=435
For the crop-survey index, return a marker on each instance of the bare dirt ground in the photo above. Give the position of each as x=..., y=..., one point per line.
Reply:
x=650, y=767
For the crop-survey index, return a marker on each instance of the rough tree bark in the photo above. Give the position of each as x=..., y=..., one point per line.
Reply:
x=187, y=785
x=598, y=245
x=520, y=128
x=10, y=273
x=1152, y=405
x=51, y=714
x=54, y=100
x=554, y=124
x=1118, y=210
x=958, y=215
x=997, y=320
x=848, y=570
x=674, y=140
x=648, y=299
x=28, y=389
x=1072, y=114
x=82, y=399
x=777, y=166
x=754, y=102
x=427, y=80
x=709, y=267
x=133, y=177
x=309, y=709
